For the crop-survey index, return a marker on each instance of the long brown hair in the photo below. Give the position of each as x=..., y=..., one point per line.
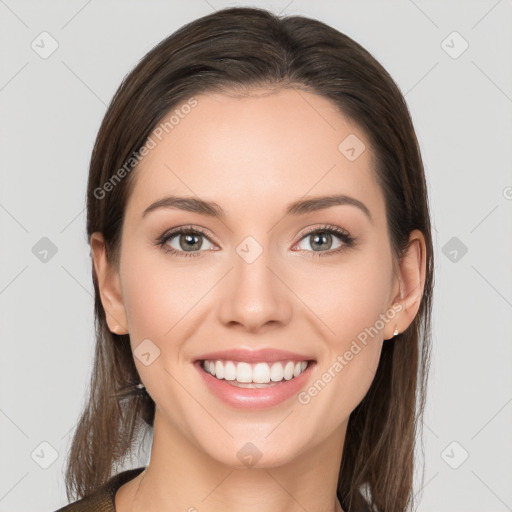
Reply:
x=237, y=49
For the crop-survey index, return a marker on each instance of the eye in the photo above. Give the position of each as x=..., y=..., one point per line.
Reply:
x=322, y=238
x=188, y=241
x=184, y=241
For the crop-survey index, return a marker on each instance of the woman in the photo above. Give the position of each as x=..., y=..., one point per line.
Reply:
x=274, y=373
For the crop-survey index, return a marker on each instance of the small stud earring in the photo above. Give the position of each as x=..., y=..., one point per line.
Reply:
x=116, y=328
x=395, y=333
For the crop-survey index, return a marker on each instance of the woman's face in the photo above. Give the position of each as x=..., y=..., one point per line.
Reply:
x=263, y=274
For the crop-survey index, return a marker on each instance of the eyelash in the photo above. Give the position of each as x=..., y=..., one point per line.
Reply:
x=347, y=239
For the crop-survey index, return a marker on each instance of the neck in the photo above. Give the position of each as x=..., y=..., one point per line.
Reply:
x=180, y=476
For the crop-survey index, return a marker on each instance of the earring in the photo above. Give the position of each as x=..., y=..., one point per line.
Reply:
x=395, y=333
x=131, y=390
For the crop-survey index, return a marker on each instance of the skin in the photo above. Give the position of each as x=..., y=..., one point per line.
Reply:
x=278, y=148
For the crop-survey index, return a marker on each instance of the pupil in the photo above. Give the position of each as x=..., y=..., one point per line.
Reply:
x=323, y=237
x=190, y=242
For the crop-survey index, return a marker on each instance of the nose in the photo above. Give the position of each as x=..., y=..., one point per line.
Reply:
x=254, y=296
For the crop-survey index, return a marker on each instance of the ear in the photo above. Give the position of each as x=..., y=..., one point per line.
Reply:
x=410, y=280
x=109, y=286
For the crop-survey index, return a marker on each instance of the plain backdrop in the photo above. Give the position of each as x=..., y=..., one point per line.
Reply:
x=61, y=63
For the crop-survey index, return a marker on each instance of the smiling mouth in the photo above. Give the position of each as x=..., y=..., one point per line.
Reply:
x=256, y=375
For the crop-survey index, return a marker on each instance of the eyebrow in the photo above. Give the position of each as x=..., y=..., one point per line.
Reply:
x=300, y=207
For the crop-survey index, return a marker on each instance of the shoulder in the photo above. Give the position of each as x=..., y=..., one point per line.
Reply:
x=102, y=500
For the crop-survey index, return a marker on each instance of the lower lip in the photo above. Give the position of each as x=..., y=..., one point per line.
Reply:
x=254, y=398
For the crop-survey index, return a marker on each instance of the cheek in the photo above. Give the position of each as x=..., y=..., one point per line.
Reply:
x=165, y=302
x=158, y=293
x=350, y=305
x=349, y=297
x=159, y=299
x=148, y=308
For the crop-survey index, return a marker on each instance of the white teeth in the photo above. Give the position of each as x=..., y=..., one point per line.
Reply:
x=229, y=371
x=219, y=370
x=276, y=372
x=243, y=372
x=288, y=370
x=259, y=373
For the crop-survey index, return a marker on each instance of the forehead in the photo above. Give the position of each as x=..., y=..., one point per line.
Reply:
x=261, y=151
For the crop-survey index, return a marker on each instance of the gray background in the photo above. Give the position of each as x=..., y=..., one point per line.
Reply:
x=51, y=109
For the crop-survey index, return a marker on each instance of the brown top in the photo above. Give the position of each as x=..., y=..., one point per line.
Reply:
x=103, y=500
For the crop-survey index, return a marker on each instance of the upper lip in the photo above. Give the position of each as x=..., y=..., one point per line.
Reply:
x=254, y=356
